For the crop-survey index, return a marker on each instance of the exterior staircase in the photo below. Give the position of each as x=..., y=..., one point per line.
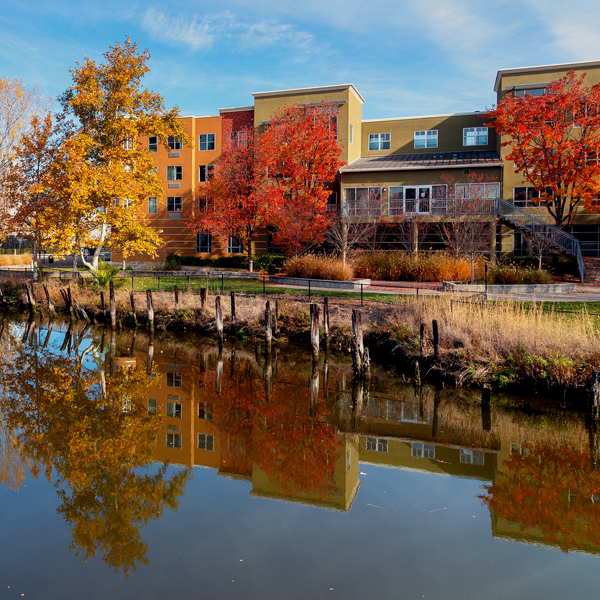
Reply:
x=592, y=270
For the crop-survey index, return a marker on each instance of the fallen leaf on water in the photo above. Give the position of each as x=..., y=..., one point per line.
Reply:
x=384, y=507
x=445, y=508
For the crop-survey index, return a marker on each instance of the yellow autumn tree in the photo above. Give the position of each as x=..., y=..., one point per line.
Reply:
x=104, y=172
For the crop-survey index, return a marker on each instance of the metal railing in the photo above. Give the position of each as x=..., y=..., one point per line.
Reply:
x=590, y=249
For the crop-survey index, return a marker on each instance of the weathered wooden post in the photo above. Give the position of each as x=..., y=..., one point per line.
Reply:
x=133, y=313
x=219, y=320
x=326, y=378
x=67, y=301
x=422, y=340
x=150, y=308
x=314, y=390
x=358, y=393
x=268, y=328
x=219, y=368
x=67, y=338
x=232, y=295
x=176, y=292
x=48, y=335
x=417, y=374
x=314, y=330
x=268, y=374
x=436, y=339
x=202, y=297
x=31, y=294
x=113, y=304
x=594, y=444
x=436, y=404
x=276, y=318
x=357, y=330
x=48, y=299
x=80, y=310
x=486, y=413
x=3, y=296
x=149, y=359
x=360, y=357
x=102, y=304
x=594, y=395
x=326, y=319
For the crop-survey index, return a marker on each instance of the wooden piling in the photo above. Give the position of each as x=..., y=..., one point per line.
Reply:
x=150, y=309
x=486, y=393
x=48, y=335
x=176, y=292
x=594, y=395
x=314, y=390
x=268, y=326
x=357, y=330
x=80, y=310
x=102, y=304
x=48, y=299
x=436, y=339
x=219, y=368
x=3, y=298
x=314, y=330
x=113, y=305
x=149, y=359
x=202, y=297
x=326, y=319
x=219, y=320
x=422, y=340
x=133, y=313
x=232, y=295
x=276, y=318
x=30, y=294
x=67, y=301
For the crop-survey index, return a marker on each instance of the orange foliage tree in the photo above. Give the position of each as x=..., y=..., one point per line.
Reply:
x=550, y=489
x=300, y=155
x=105, y=172
x=229, y=202
x=94, y=438
x=554, y=140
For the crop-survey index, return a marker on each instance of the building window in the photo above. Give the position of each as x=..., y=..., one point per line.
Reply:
x=333, y=126
x=332, y=202
x=362, y=201
x=174, y=410
x=527, y=196
x=271, y=247
x=426, y=139
x=352, y=134
x=174, y=440
x=152, y=406
x=472, y=457
x=475, y=136
x=532, y=91
x=152, y=143
x=174, y=380
x=206, y=442
x=234, y=245
x=205, y=411
x=174, y=203
x=152, y=205
x=207, y=141
x=174, y=173
x=419, y=450
x=203, y=242
x=173, y=143
x=377, y=444
x=380, y=141
x=239, y=139
x=477, y=191
x=207, y=172
x=126, y=202
x=128, y=144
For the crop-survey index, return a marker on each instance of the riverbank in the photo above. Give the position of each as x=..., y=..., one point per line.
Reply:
x=508, y=345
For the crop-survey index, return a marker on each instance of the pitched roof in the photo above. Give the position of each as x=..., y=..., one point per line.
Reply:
x=425, y=160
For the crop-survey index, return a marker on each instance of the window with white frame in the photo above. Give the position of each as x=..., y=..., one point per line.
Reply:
x=205, y=411
x=377, y=444
x=206, y=442
x=380, y=141
x=362, y=201
x=234, y=245
x=152, y=143
x=174, y=203
x=203, y=242
x=174, y=380
x=530, y=91
x=351, y=134
x=126, y=202
x=426, y=138
x=472, y=457
x=173, y=143
x=207, y=141
x=152, y=406
x=418, y=450
x=474, y=191
x=174, y=410
x=206, y=173
x=528, y=196
x=333, y=126
x=475, y=136
x=174, y=173
x=152, y=205
x=239, y=139
x=174, y=440
x=128, y=144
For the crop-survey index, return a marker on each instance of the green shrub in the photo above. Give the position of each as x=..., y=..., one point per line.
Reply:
x=107, y=272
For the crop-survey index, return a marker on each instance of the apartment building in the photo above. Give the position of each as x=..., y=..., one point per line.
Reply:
x=395, y=169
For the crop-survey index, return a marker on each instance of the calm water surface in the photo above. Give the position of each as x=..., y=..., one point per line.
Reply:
x=174, y=470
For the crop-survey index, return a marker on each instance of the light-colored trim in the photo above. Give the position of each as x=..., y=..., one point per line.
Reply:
x=324, y=88
x=426, y=168
x=501, y=72
x=466, y=114
x=201, y=117
x=235, y=109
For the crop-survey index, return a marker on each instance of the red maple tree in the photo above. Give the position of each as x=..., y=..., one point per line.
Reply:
x=553, y=140
x=300, y=154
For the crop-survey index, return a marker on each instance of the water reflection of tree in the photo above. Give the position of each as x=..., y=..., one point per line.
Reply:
x=92, y=428
x=552, y=490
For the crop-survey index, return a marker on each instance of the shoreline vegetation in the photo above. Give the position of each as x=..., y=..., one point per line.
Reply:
x=512, y=346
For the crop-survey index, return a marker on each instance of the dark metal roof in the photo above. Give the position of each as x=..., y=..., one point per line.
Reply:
x=425, y=160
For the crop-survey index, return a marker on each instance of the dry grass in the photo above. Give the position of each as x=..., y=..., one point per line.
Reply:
x=315, y=266
x=7, y=260
x=400, y=266
x=505, y=341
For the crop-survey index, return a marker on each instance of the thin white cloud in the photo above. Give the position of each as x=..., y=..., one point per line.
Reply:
x=224, y=27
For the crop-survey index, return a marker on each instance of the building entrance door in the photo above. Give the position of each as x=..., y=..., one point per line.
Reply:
x=417, y=199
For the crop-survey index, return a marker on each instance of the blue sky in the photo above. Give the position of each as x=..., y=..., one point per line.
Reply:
x=405, y=57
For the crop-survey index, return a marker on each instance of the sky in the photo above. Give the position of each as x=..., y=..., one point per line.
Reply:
x=406, y=58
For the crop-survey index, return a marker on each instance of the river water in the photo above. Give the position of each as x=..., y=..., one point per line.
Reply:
x=176, y=470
